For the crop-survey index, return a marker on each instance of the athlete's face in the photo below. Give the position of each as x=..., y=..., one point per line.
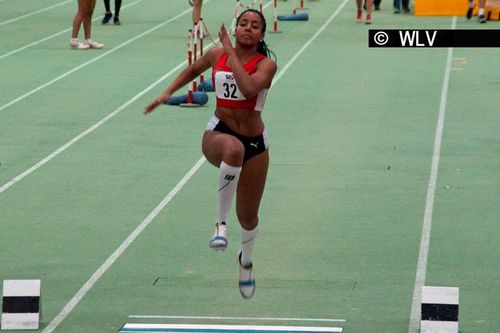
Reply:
x=249, y=29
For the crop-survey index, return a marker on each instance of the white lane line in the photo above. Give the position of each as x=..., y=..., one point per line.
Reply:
x=239, y=318
x=80, y=136
x=62, y=76
x=414, y=326
x=89, y=130
x=56, y=34
x=121, y=249
x=306, y=45
x=35, y=12
x=189, y=328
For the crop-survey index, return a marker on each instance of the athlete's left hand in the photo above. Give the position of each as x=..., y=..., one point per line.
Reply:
x=160, y=100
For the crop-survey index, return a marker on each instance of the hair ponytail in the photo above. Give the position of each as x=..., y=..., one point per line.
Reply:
x=263, y=49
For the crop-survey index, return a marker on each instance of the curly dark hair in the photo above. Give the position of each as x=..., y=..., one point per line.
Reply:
x=262, y=47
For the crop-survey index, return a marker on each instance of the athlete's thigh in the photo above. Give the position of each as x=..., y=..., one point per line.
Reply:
x=216, y=145
x=251, y=186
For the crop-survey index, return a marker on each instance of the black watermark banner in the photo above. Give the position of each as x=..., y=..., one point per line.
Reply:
x=434, y=38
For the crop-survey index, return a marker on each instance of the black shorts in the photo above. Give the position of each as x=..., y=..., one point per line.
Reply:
x=253, y=145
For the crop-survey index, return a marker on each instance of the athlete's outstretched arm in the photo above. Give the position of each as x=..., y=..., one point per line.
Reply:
x=186, y=76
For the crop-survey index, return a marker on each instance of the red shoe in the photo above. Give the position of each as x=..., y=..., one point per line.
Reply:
x=368, y=19
x=358, y=16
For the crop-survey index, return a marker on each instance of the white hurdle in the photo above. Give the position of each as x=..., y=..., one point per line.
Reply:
x=237, y=8
x=275, y=18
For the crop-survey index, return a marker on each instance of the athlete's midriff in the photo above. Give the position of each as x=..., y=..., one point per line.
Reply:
x=243, y=121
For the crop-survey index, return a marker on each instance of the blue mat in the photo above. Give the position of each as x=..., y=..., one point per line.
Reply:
x=294, y=17
x=206, y=86
x=199, y=97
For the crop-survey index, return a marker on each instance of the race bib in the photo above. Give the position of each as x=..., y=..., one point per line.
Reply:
x=226, y=87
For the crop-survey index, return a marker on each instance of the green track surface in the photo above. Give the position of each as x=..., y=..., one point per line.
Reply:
x=352, y=132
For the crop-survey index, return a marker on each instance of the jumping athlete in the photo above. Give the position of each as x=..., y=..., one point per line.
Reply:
x=235, y=139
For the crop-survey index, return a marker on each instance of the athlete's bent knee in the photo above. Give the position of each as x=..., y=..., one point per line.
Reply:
x=233, y=153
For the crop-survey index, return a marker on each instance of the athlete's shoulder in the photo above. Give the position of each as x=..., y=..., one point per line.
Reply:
x=214, y=54
x=268, y=63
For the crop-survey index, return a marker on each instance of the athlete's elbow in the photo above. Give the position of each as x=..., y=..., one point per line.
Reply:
x=193, y=72
x=249, y=92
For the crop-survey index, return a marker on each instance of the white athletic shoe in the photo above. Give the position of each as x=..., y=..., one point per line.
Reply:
x=92, y=44
x=218, y=241
x=247, y=280
x=76, y=45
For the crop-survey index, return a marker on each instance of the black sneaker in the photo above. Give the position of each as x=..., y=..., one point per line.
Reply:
x=481, y=19
x=107, y=17
x=469, y=13
x=116, y=20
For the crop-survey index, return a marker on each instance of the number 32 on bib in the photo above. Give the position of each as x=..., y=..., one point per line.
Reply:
x=226, y=87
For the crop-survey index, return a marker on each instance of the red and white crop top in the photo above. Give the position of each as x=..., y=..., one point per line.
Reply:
x=227, y=91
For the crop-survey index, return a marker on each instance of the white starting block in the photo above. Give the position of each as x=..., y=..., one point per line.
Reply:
x=439, y=310
x=21, y=309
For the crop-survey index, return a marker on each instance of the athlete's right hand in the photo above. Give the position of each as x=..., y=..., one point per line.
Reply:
x=225, y=40
x=160, y=100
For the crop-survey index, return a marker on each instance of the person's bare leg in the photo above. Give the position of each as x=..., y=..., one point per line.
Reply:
x=197, y=10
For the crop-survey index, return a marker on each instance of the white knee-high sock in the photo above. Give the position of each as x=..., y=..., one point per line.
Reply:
x=247, y=244
x=228, y=181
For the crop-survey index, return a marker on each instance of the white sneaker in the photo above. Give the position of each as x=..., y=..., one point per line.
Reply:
x=76, y=45
x=218, y=241
x=247, y=280
x=93, y=45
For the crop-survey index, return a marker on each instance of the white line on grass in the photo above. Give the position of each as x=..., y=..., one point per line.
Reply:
x=35, y=12
x=429, y=202
x=239, y=318
x=55, y=35
x=62, y=76
x=121, y=249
